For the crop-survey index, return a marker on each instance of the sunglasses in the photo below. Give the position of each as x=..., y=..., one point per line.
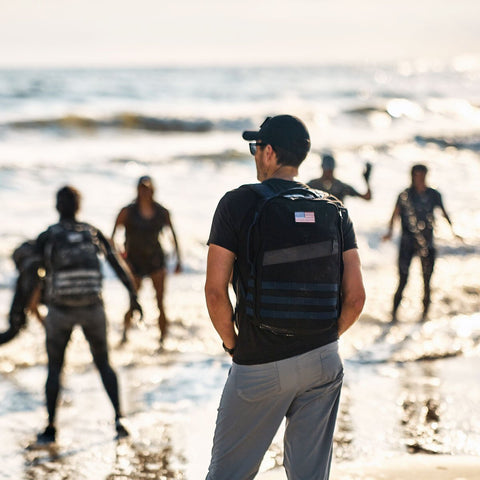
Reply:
x=254, y=145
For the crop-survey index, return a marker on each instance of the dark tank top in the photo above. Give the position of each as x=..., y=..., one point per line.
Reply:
x=141, y=234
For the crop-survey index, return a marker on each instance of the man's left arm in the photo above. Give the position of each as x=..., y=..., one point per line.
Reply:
x=122, y=271
x=447, y=217
x=219, y=270
x=349, y=191
x=178, y=267
x=353, y=291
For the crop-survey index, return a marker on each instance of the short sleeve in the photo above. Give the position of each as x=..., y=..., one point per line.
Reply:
x=438, y=202
x=349, y=191
x=223, y=232
x=349, y=237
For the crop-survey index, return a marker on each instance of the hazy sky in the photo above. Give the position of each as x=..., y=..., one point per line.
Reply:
x=146, y=32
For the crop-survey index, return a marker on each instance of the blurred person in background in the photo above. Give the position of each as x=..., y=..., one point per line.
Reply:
x=69, y=252
x=415, y=207
x=143, y=220
x=332, y=185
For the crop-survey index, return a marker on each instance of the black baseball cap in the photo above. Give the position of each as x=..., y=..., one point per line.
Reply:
x=285, y=131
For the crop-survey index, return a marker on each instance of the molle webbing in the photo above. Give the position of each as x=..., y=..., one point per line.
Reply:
x=301, y=252
x=295, y=258
x=78, y=282
x=294, y=300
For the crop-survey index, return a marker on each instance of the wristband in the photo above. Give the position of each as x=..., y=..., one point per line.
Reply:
x=228, y=350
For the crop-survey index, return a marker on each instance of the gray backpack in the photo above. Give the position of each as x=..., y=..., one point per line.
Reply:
x=74, y=276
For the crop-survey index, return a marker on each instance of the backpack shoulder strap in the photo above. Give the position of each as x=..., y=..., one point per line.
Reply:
x=266, y=192
x=262, y=190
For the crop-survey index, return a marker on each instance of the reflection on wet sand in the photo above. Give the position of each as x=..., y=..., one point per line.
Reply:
x=147, y=460
x=134, y=460
x=45, y=464
x=422, y=406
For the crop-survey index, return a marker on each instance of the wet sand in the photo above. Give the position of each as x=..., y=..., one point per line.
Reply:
x=417, y=467
x=170, y=399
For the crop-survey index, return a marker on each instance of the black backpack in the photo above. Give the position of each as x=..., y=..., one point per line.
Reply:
x=74, y=275
x=295, y=246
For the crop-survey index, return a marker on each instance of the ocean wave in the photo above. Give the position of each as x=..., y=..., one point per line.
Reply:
x=463, y=142
x=227, y=155
x=395, y=107
x=129, y=121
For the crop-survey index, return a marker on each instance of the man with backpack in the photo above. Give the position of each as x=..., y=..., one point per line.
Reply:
x=292, y=255
x=73, y=294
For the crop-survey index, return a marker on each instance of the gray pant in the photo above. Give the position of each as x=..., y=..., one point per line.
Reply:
x=59, y=325
x=305, y=389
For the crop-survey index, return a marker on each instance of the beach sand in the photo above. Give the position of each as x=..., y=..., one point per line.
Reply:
x=404, y=467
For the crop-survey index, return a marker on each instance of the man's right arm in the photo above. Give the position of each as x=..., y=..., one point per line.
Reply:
x=219, y=270
x=353, y=291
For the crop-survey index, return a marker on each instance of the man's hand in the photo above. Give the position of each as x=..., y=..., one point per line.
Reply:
x=136, y=307
x=367, y=172
x=18, y=320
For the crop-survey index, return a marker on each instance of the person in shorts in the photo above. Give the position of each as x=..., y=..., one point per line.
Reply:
x=143, y=221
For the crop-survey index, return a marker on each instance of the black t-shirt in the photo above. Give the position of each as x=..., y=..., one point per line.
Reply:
x=417, y=212
x=232, y=219
x=336, y=188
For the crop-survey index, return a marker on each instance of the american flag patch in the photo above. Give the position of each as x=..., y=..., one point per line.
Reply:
x=304, y=217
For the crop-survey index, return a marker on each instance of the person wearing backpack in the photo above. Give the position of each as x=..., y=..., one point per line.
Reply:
x=73, y=294
x=291, y=254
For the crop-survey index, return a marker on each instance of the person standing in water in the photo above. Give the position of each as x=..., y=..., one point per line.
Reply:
x=143, y=220
x=69, y=253
x=328, y=183
x=415, y=207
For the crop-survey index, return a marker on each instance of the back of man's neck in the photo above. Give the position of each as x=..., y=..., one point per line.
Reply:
x=285, y=172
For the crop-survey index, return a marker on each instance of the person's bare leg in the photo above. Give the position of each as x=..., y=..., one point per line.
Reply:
x=127, y=319
x=158, y=280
